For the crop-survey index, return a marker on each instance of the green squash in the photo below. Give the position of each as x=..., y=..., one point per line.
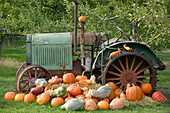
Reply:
x=61, y=92
x=53, y=95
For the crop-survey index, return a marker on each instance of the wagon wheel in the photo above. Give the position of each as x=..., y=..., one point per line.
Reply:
x=129, y=67
x=26, y=79
x=20, y=69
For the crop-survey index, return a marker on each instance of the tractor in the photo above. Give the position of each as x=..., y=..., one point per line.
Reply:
x=50, y=54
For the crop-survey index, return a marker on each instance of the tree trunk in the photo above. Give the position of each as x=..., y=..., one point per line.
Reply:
x=9, y=41
x=1, y=41
x=134, y=31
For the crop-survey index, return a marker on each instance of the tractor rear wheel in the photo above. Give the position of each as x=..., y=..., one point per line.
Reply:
x=26, y=79
x=129, y=67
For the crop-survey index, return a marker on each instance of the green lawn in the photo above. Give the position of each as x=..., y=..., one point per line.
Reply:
x=7, y=83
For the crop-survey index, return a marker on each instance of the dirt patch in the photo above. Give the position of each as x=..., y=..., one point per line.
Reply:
x=10, y=63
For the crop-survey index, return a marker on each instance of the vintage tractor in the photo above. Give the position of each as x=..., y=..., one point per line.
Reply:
x=50, y=54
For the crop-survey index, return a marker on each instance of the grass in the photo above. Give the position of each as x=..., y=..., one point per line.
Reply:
x=12, y=57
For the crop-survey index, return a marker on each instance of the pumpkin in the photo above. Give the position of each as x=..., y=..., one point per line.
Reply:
x=68, y=98
x=105, y=99
x=46, y=88
x=85, y=92
x=159, y=97
x=126, y=48
x=90, y=105
x=116, y=103
x=112, y=85
x=81, y=77
x=82, y=82
x=74, y=90
x=103, y=105
x=95, y=99
x=29, y=97
x=82, y=19
x=134, y=93
x=44, y=98
x=147, y=88
x=68, y=78
x=9, y=96
x=61, y=92
x=112, y=95
x=102, y=92
x=80, y=97
x=85, y=89
x=19, y=97
x=118, y=92
x=114, y=53
x=55, y=80
x=57, y=101
x=37, y=90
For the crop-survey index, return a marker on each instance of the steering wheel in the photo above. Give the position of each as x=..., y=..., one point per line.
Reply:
x=122, y=34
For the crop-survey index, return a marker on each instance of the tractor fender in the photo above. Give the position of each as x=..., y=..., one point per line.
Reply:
x=137, y=47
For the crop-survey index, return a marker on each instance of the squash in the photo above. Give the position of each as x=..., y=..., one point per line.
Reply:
x=116, y=103
x=80, y=97
x=103, y=105
x=40, y=82
x=90, y=105
x=55, y=80
x=44, y=98
x=29, y=97
x=118, y=92
x=74, y=90
x=81, y=77
x=114, y=53
x=102, y=92
x=126, y=48
x=95, y=99
x=82, y=19
x=122, y=97
x=37, y=90
x=19, y=97
x=73, y=104
x=146, y=88
x=134, y=93
x=68, y=78
x=88, y=95
x=105, y=99
x=112, y=85
x=53, y=95
x=9, y=96
x=68, y=98
x=61, y=92
x=159, y=97
x=93, y=79
x=112, y=95
x=57, y=101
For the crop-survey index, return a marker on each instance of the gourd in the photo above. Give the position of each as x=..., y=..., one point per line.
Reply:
x=112, y=85
x=61, y=92
x=80, y=97
x=134, y=93
x=57, y=101
x=74, y=90
x=82, y=19
x=29, y=97
x=55, y=80
x=102, y=92
x=9, y=96
x=44, y=98
x=81, y=77
x=53, y=95
x=90, y=105
x=19, y=97
x=118, y=92
x=73, y=104
x=114, y=53
x=93, y=79
x=122, y=96
x=126, y=48
x=116, y=103
x=68, y=78
x=83, y=82
x=159, y=97
x=112, y=95
x=88, y=95
x=37, y=90
x=40, y=82
x=103, y=105
x=146, y=88
x=68, y=98
x=105, y=99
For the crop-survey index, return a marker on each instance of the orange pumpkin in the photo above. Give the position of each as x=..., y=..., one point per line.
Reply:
x=112, y=95
x=90, y=105
x=9, y=96
x=103, y=105
x=74, y=90
x=118, y=92
x=82, y=19
x=112, y=85
x=134, y=93
x=57, y=101
x=105, y=99
x=81, y=77
x=19, y=97
x=44, y=98
x=116, y=103
x=146, y=88
x=80, y=96
x=68, y=78
x=85, y=92
x=95, y=99
x=29, y=97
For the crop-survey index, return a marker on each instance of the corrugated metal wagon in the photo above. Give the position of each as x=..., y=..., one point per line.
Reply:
x=50, y=54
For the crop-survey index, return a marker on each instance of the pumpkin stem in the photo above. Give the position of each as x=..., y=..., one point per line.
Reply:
x=83, y=73
x=128, y=86
x=46, y=88
x=133, y=84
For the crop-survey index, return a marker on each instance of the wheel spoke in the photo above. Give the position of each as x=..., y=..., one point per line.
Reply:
x=25, y=88
x=35, y=72
x=133, y=61
x=116, y=68
x=127, y=65
x=121, y=64
x=121, y=86
x=29, y=73
x=113, y=73
x=143, y=69
x=118, y=83
x=138, y=65
x=144, y=76
x=108, y=79
x=141, y=81
x=39, y=75
x=26, y=77
x=24, y=82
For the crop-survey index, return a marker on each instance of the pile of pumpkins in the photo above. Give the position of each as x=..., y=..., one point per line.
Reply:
x=74, y=97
